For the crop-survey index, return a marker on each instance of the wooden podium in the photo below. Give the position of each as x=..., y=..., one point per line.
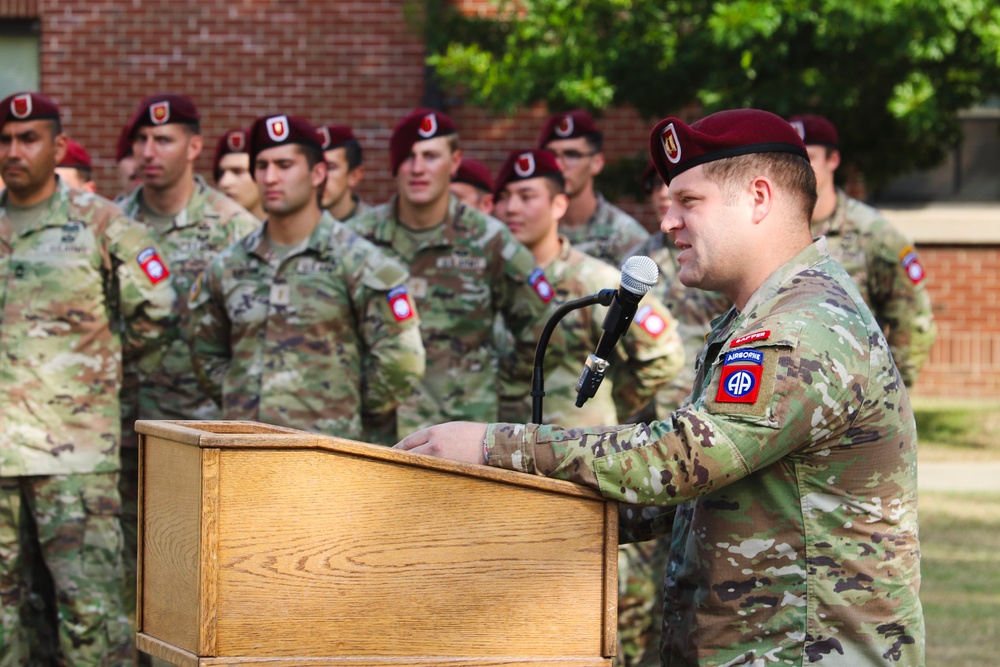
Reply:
x=271, y=546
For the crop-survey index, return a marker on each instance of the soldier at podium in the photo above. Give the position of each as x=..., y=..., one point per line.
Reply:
x=788, y=481
x=303, y=323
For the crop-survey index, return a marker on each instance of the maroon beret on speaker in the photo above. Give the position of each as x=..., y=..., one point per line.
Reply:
x=233, y=141
x=76, y=156
x=28, y=106
x=163, y=108
x=418, y=125
x=270, y=131
x=676, y=147
x=334, y=136
x=815, y=130
x=475, y=174
x=522, y=165
x=567, y=125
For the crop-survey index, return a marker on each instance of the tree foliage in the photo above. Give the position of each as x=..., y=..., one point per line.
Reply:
x=891, y=74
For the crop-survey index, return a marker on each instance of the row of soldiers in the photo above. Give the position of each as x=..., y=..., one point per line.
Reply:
x=331, y=316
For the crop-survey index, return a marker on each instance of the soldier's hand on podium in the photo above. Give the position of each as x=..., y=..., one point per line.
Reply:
x=458, y=441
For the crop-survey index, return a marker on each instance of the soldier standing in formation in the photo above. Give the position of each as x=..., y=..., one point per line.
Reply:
x=591, y=224
x=345, y=170
x=232, y=172
x=76, y=169
x=84, y=289
x=788, y=482
x=530, y=200
x=304, y=323
x=473, y=185
x=465, y=268
x=882, y=262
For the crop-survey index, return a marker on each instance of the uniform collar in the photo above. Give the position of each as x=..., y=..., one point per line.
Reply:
x=192, y=212
x=812, y=255
x=56, y=208
x=318, y=243
x=390, y=231
x=833, y=224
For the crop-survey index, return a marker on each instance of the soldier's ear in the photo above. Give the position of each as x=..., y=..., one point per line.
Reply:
x=60, y=143
x=195, y=144
x=456, y=161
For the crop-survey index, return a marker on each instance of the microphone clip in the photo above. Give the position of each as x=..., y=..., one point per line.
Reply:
x=590, y=380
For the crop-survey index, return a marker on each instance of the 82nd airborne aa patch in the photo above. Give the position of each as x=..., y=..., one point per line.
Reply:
x=152, y=266
x=911, y=264
x=541, y=285
x=399, y=303
x=741, y=373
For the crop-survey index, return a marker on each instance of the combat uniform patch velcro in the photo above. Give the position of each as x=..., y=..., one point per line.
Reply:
x=152, y=266
x=650, y=322
x=541, y=285
x=399, y=303
x=911, y=264
x=746, y=377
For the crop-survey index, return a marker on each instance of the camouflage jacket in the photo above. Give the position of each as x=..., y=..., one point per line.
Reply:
x=463, y=273
x=210, y=222
x=883, y=264
x=83, y=288
x=360, y=207
x=647, y=357
x=789, y=482
x=324, y=340
x=609, y=233
x=694, y=310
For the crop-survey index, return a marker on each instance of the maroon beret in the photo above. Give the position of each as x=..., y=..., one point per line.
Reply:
x=334, y=136
x=270, y=131
x=815, y=130
x=76, y=156
x=474, y=173
x=676, y=147
x=123, y=148
x=522, y=165
x=163, y=108
x=650, y=179
x=233, y=141
x=568, y=125
x=28, y=106
x=418, y=125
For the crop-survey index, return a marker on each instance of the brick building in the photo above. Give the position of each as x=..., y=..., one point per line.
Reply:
x=360, y=62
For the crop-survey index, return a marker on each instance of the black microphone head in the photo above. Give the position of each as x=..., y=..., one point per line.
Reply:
x=639, y=274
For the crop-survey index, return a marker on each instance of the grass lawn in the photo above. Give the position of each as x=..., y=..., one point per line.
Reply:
x=957, y=430
x=960, y=588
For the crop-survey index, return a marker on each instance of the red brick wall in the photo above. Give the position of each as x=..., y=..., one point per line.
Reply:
x=964, y=283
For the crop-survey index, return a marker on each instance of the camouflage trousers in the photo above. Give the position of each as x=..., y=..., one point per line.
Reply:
x=80, y=542
x=641, y=567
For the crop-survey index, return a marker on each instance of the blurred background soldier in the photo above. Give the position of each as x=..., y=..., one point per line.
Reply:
x=83, y=287
x=128, y=174
x=193, y=222
x=76, y=168
x=233, y=176
x=345, y=171
x=881, y=261
x=530, y=200
x=473, y=185
x=465, y=268
x=591, y=223
x=304, y=323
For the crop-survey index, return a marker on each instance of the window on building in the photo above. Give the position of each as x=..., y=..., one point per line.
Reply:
x=19, y=53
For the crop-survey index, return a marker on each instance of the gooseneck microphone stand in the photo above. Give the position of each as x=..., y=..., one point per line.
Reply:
x=604, y=298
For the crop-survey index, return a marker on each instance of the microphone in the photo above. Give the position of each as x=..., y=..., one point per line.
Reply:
x=639, y=275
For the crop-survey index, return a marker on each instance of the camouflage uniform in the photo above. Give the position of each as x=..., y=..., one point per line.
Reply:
x=360, y=207
x=209, y=223
x=641, y=565
x=463, y=273
x=793, y=512
x=648, y=356
x=83, y=286
x=883, y=264
x=311, y=340
x=609, y=233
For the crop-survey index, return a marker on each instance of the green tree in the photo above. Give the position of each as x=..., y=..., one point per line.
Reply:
x=891, y=74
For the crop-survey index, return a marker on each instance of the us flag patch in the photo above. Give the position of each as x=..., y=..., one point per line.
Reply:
x=152, y=266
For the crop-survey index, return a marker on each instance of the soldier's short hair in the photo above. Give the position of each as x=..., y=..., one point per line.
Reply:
x=791, y=172
x=353, y=152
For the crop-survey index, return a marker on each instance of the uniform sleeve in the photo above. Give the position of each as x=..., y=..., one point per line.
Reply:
x=650, y=355
x=901, y=302
x=804, y=395
x=145, y=298
x=394, y=360
x=522, y=295
x=210, y=330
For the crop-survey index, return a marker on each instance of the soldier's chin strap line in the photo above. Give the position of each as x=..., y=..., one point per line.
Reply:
x=604, y=298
